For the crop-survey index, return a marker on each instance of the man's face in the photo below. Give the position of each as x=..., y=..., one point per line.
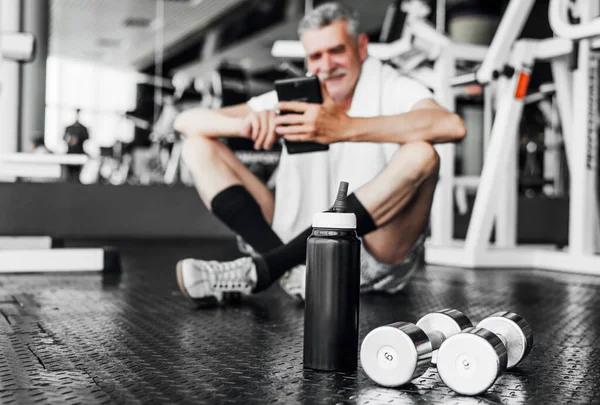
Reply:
x=335, y=57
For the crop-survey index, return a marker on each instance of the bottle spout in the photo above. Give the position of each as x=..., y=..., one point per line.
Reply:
x=340, y=200
x=337, y=217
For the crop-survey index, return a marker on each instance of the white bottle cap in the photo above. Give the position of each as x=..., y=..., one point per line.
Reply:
x=334, y=220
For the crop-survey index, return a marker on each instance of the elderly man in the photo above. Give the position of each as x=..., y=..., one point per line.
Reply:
x=380, y=127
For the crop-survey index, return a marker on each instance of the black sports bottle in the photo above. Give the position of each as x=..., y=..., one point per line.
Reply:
x=332, y=290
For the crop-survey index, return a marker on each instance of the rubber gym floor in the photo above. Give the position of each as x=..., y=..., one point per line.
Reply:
x=131, y=337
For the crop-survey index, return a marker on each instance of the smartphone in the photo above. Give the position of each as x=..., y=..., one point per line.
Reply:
x=308, y=90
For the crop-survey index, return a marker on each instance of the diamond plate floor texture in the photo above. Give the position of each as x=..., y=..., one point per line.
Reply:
x=133, y=338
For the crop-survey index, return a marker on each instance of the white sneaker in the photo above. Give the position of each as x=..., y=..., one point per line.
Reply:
x=293, y=282
x=214, y=282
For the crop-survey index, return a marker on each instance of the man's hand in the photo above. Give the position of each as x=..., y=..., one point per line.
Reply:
x=260, y=127
x=322, y=123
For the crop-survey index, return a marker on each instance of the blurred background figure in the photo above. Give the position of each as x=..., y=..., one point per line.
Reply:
x=75, y=136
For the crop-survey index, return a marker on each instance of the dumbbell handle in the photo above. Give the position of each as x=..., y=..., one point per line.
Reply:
x=502, y=338
x=436, y=338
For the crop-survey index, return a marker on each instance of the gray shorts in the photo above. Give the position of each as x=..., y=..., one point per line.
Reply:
x=391, y=278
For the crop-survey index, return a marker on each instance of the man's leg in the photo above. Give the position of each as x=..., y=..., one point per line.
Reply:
x=402, y=190
x=235, y=195
x=399, y=200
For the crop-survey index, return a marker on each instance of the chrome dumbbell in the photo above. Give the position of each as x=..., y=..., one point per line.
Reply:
x=396, y=354
x=471, y=361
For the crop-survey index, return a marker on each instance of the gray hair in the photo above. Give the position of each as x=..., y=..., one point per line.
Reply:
x=328, y=13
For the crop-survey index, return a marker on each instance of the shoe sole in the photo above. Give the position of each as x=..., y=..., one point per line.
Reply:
x=208, y=301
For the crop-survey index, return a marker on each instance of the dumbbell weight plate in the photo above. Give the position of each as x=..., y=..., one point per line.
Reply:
x=447, y=321
x=515, y=330
x=470, y=362
x=395, y=354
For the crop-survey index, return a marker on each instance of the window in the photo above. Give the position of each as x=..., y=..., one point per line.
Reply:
x=103, y=94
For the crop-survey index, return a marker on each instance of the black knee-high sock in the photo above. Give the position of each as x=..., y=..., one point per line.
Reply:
x=236, y=207
x=279, y=260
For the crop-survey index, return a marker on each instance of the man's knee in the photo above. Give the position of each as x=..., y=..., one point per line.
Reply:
x=424, y=159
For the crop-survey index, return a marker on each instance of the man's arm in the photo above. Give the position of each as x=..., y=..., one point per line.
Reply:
x=326, y=123
x=227, y=121
x=427, y=121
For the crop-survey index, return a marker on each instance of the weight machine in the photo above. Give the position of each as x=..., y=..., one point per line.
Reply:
x=496, y=201
x=35, y=254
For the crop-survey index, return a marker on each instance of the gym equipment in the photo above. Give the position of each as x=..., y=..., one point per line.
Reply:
x=496, y=201
x=554, y=175
x=166, y=142
x=471, y=361
x=35, y=254
x=160, y=161
x=396, y=354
